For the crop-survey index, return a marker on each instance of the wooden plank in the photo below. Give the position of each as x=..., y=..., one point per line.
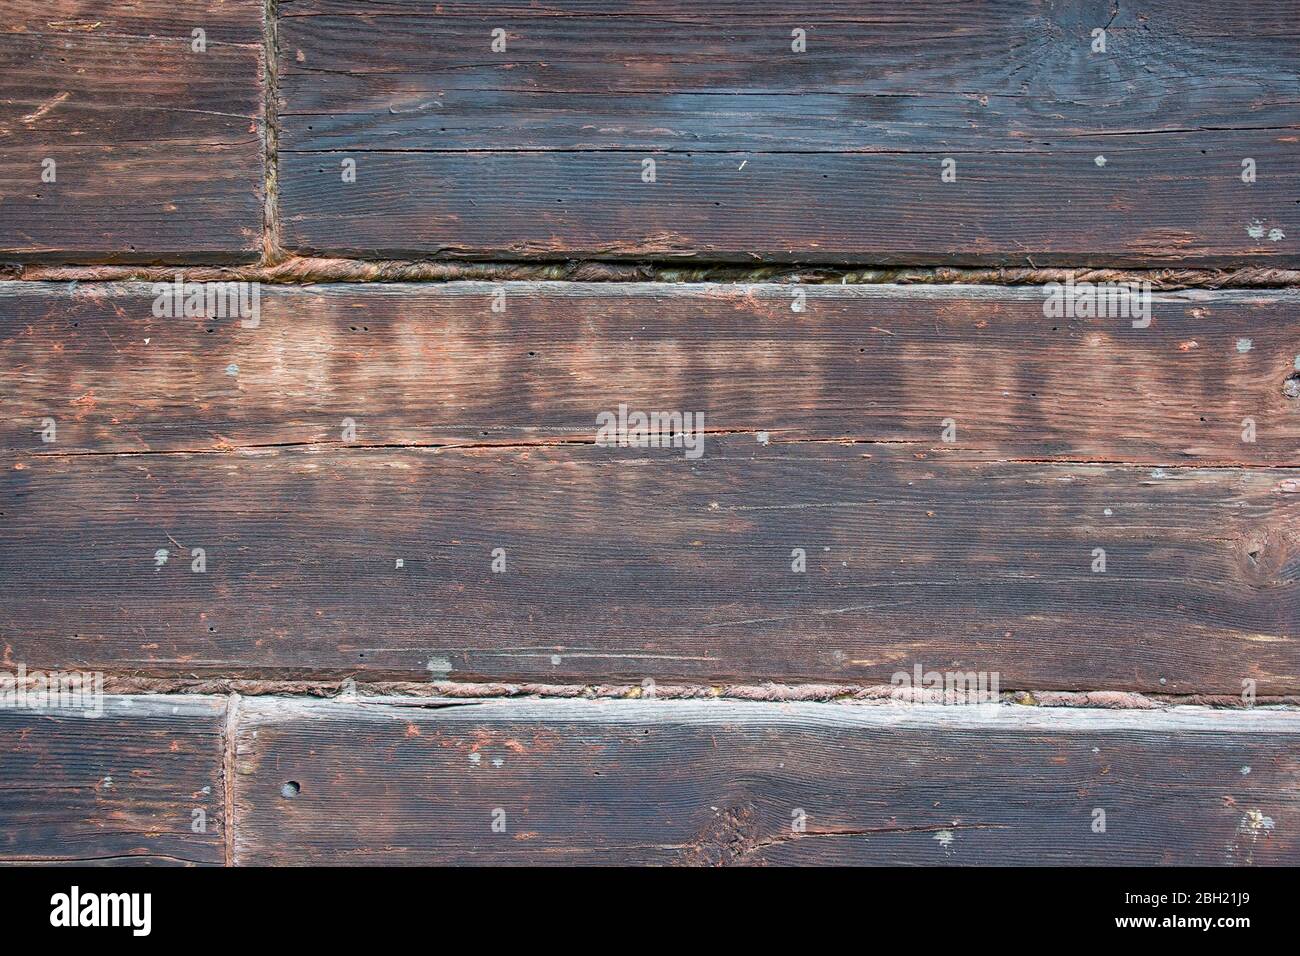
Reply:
x=633, y=563
x=434, y=364
x=139, y=784
x=711, y=783
x=1064, y=156
x=157, y=147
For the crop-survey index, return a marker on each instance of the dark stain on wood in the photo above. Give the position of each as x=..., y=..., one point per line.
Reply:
x=140, y=784
x=1063, y=155
x=635, y=563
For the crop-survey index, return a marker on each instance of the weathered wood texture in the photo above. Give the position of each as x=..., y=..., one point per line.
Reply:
x=157, y=147
x=640, y=563
x=118, y=789
x=723, y=783
x=1131, y=156
x=434, y=364
x=626, y=564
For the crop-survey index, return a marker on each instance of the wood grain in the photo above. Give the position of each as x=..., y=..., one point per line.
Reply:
x=117, y=789
x=158, y=148
x=714, y=783
x=1064, y=156
x=629, y=563
x=434, y=365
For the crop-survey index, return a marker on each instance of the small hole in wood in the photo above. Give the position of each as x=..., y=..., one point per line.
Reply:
x=1291, y=387
x=291, y=789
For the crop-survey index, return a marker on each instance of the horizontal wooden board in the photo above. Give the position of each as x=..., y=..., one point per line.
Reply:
x=636, y=563
x=157, y=148
x=712, y=783
x=1064, y=155
x=434, y=364
x=139, y=784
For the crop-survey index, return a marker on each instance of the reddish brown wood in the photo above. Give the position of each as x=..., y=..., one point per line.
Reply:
x=157, y=147
x=434, y=364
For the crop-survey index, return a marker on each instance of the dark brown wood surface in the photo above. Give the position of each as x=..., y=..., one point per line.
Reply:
x=641, y=563
x=1064, y=155
x=157, y=148
x=434, y=364
x=402, y=481
x=714, y=783
x=119, y=789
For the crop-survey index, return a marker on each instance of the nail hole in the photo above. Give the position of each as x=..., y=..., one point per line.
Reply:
x=291, y=790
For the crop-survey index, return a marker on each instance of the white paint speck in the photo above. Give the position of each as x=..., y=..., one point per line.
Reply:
x=475, y=758
x=400, y=563
x=1108, y=512
x=1244, y=345
x=1159, y=473
x=498, y=762
x=764, y=438
x=1100, y=160
x=1255, y=229
x=555, y=659
x=438, y=666
x=1245, y=771
x=944, y=838
x=232, y=369
x=1254, y=822
x=1276, y=235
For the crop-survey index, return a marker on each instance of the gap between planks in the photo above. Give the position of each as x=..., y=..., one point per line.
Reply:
x=228, y=752
x=272, y=253
x=236, y=688
x=280, y=268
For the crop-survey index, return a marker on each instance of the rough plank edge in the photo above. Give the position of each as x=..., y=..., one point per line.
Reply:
x=1184, y=719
